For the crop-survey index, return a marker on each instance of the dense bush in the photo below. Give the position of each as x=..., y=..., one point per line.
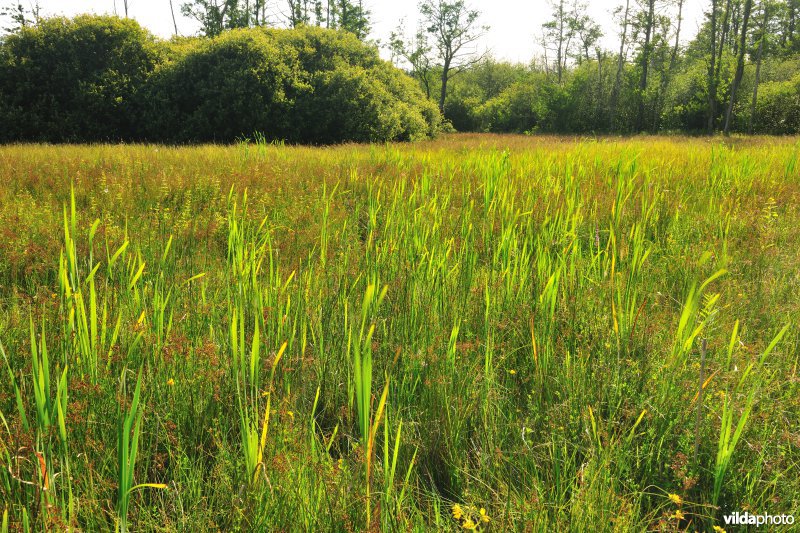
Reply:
x=520, y=108
x=476, y=86
x=686, y=102
x=102, y=78
x=222, y=88
x=352, y=94
x=74, y=80
x=778, y=108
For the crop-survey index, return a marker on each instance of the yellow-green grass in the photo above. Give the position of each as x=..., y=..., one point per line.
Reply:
x=363, y=337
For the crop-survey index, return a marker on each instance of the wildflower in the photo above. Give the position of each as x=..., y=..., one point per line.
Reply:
x=469, y=525
x=170, y=382
x=719, y=529
x=674, y=498
x=458, y=512
x=484, y=516
x=679, y=515
x=512, y=371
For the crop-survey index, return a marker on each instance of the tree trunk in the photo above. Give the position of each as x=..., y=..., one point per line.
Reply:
x=598, y=109
x=737, y=79
x=712, y=86
x=723, y=36
x=174, y=23
x=560, y=51
x=673, y=57
x=754, y=103
x=443, y=93
x=620, y=64
x=648, y=33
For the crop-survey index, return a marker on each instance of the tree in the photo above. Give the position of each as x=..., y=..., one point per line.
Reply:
x=20, y=16
x=670, y=71
x=647, y=21
x=722, y=37
x=790, y=40
x=416, y=52
x=454, y=30
x=215, y=16
x=349, y=16
x=558, y=33
x=737, y=79
x=623, y=36
x=174, y=22
x=763, y=37
x=712, y=79
x=299, y=12
x=589, y=34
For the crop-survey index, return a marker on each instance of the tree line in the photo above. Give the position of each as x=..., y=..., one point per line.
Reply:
x=739, y=73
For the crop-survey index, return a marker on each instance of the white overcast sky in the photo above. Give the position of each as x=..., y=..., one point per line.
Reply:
x=515, y=25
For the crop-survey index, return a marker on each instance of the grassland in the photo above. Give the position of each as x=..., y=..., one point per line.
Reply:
x=511, y=333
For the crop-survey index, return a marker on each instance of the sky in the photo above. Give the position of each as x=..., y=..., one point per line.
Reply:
x=514, y=25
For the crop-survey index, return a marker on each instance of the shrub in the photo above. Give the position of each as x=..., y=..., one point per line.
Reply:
x=520, y=108
x=106, y=79
x=354, y=95
x=306, y=85
x=74, y=80
x=778, y=108
x=222, y=88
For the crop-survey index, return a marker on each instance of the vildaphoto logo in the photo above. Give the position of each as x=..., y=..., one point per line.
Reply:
x=748, y=519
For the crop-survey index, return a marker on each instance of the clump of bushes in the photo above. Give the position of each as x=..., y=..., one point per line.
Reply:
x=74, y=80
x=106, y=79
x=778, y=107
x=222, y=88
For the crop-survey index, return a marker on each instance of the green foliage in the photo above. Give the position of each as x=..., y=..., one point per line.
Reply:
x=687, y=99
x=74, y=80
x=320, y=49
x=778, y=107
x=474, y=87
x=352, y=103
x=222, y=88
x=521, y=107
x=106, y=79
x=215, y=17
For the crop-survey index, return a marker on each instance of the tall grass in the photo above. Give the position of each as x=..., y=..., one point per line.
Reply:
x=553, y=334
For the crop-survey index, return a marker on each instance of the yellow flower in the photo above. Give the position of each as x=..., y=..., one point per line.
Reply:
x=469, y=524
x=719, y=529
x=484, y=516
x=458, y=512
x=674, y=498
x=512, y=371
x=170, y=382
x=679, y=515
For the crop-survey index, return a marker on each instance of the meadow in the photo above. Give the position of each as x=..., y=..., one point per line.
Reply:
x=500, y=333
